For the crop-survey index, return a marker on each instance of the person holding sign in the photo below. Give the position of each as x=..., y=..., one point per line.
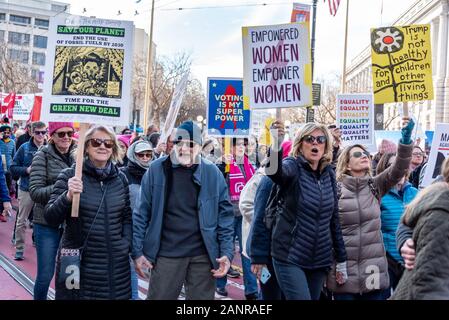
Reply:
x=103, y=229
x=306, y=231
x=47, y=164
x=183, y=222
x=359, y=197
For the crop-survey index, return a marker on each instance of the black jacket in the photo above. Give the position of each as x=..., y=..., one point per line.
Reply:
x=105, y=267
x=307, y=231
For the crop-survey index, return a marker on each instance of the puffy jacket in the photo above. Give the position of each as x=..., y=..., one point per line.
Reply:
x=246, y=206
x=4, y=192
x=360, y=221
x=260, y=236
x=105, y=268
x=134, y=174
x=307, y=232
x=214, y=208
x=22, y=160
x=392, y=207
x=429, y=279
x=46, y=166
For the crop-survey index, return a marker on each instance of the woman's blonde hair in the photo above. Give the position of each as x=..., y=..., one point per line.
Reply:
x=307, y=130
x=343, y=161
x=117, y=153
x=445, y=170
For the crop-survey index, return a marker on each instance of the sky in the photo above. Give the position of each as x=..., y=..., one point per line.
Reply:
x=213, y=35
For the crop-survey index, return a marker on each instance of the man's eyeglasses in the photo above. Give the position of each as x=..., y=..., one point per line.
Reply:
x=38, y=132
x=312, y=139
x=181, y=143
x=144, y=155
x=360, y=154
x=108, y=143
x=62, y=134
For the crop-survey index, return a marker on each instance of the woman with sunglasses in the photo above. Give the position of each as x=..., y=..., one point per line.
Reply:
x=359, y=197
x=306, y=233
x=103, y=229
x=140, y=154
x=47, y=164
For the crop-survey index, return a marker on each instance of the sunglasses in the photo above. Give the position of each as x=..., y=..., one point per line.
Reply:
x=144, y=155
x=62, y=134
x=43, y=133
x=360, y=154
x=181, y=143
x=312, y=139
x=418, y=154
x=108, y=143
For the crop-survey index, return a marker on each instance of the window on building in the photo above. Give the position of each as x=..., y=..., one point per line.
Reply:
x=21, y=39
x=39, y=58
x=41, y=23
x=35, y=74
x=19, y=55
x=40, y=42
x=19, y=19
x=2, y=16
x=2, y=36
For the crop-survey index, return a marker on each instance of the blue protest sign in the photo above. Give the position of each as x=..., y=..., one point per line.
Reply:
x=226, y=116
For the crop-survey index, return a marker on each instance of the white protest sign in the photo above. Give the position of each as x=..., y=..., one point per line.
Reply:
x=276, y=66
x=23, y=106
x=438, y=153
x=175, y=105
x=355, y=118
x=88, y=70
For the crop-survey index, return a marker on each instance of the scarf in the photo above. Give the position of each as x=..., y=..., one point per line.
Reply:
x=100, y=173
x=237, y=179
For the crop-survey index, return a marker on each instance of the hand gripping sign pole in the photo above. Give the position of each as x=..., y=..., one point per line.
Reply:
x=79, y=166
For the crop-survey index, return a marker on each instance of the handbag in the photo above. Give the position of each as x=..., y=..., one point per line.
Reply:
x=68, y=266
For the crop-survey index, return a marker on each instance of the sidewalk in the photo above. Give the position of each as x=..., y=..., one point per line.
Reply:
x=10, y=289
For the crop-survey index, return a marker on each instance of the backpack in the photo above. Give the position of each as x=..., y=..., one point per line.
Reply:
x=275, y=203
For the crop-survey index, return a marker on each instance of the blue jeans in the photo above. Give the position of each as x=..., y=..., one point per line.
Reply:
x=297, y=283
x=373, y=295
x=134, y=282
x=249, y=278
x=47, y=242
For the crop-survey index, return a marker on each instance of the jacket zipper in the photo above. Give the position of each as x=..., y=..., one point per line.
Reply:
x=108, y=244
x=360, y=235
x=316, y=220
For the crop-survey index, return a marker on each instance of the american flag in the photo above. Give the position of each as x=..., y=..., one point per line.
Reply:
x=333, y=6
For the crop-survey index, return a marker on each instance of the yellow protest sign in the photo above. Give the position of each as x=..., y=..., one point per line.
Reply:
x=401, y=63
x=265, y=137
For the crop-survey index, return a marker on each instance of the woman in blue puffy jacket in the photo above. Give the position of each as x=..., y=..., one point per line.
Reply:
x=392, y=208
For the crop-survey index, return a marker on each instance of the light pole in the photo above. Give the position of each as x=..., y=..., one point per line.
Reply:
x=149, y=68
x=200, y=119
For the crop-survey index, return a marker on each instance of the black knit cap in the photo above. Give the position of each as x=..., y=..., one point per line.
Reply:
x=188, y=130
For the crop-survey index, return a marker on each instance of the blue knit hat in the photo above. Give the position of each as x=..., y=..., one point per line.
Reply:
x=188, y=130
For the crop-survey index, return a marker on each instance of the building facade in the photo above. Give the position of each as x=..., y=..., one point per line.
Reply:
x=428, y=113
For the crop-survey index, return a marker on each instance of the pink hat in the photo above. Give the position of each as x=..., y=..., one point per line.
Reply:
x=286, y=147
x=124, y=138
x=387, y=146
x=53, y=126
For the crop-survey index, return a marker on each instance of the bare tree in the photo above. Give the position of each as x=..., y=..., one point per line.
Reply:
x=194, y=102
x=138, y=83
x=325, y=113
x=14, y=75
x=166, y=74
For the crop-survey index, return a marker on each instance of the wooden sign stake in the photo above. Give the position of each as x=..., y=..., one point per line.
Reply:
x=79, y=166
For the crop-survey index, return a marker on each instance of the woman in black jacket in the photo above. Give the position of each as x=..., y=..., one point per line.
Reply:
x=104, y=225
x=306, y=231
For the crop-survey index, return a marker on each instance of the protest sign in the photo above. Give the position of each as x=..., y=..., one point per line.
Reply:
x=401, y=63
x=277, y=66
x=355, y=118
x=175, y=104
x=300, y=12
x=438, y=153
x=226, y=115
x=88, y=70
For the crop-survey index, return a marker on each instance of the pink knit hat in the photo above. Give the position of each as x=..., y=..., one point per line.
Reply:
x=286, y=147
x=387, y=146
x=53, y=126
x=124, y=138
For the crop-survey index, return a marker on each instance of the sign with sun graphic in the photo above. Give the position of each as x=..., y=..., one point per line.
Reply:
x=401, y=64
